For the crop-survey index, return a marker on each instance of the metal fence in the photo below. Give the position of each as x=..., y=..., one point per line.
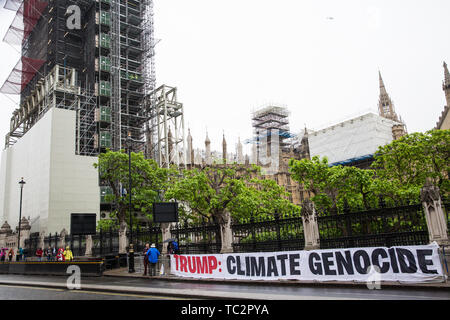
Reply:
x=271, y=234
x=402, y=225
x=197, y=238
x=396, y=226
x=76, y=243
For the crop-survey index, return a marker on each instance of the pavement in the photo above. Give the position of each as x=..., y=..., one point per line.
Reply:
x=163, y=288
x=123, y=272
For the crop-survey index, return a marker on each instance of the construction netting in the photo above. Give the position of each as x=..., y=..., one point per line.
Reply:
x=21, y=74
x=351, y=139
x=28, y=14
x=13, y=4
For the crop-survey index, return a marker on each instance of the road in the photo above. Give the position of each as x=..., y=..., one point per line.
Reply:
x=17, y=292
x=138, y=288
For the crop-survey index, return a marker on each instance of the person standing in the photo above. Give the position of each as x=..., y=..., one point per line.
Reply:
x=147, y=247
x=54, y=254
x=10, y=254
x=68, y=256
x=39, y=254
x=20, y=254
x=3, y=254
x=48, y=253
x=153, y=255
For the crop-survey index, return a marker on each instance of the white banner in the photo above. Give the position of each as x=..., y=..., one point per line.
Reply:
x=409, y=264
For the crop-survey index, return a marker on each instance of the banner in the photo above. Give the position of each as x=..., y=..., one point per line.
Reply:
x=407, y=264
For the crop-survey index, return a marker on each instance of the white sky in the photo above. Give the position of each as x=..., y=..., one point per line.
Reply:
x=229, y=57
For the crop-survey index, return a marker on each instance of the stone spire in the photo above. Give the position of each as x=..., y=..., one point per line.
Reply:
x=207, y=150
x=224, y=149
x=446, y=84
x=304, y=147
x=385, y=104
x=386, y=109
x=240, y=154
x=190, y=150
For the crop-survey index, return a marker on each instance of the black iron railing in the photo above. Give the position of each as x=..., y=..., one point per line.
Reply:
x=396, y=226
x=403, y=225
x=198, y=238
x=272, y=234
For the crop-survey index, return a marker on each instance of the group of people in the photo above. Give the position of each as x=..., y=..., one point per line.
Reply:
x=151, y=256
x=5, y=253
x=50, y=253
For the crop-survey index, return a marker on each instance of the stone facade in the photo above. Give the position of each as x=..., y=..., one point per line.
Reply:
x=444, y=119
x=8, y=238
x=434, y=214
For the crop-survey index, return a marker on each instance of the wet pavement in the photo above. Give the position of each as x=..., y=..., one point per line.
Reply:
x=202, y=290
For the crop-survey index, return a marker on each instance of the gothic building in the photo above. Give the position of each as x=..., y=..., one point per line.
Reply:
x=386, y=109
x=444, y=119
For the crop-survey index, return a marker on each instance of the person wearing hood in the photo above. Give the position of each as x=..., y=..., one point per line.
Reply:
x=68, y=256
x=153, y=255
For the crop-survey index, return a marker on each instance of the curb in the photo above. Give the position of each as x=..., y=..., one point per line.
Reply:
x=293, y=283
x=180, y=293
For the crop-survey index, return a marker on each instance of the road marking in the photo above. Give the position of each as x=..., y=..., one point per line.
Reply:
x=29, y=287
x=94, y=292
x=128, y=295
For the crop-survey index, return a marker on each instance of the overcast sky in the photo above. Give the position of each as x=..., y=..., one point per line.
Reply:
x=320, y=58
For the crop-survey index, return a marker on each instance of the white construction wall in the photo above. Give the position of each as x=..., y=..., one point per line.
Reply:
x=58, y=182
x=353, y=138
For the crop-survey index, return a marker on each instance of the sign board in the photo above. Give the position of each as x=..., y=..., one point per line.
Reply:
x=412, y=264
x=165, y=212
x=83, y=223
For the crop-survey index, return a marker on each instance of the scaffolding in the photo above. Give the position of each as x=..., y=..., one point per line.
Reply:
x=59, y=89
x=111, y=58
x=271, y=132
x=168, y=115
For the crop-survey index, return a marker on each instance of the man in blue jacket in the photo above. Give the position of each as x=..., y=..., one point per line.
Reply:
x=153, y=255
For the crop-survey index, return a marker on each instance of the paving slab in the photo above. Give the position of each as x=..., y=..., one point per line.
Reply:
x=123, y=272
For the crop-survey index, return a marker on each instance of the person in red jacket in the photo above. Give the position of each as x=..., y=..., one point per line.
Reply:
x=60, y=256
x=39, y=253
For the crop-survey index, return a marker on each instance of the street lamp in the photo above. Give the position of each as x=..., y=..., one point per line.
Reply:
x=21, y=183
x=131, y=251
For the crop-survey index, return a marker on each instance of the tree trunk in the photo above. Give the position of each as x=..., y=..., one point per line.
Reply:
x=123, y=241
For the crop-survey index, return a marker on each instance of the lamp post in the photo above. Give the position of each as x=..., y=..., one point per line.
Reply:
x=131, y=251
x=21, y=183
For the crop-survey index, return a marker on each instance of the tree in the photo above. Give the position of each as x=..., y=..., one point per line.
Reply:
x=147, y=178
x=408, y=162
x=221, y=193
x=336, y=186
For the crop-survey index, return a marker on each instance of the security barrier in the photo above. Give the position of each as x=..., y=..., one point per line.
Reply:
x=87, y=268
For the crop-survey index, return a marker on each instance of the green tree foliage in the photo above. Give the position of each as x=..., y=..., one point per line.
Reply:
x=400, y=169
x=208, y=192
x=147, y=179
x=333, y=186
x=407, y=163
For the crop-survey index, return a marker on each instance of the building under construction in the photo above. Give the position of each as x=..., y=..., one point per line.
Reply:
x=101, y=68
x=271, y=132
x=87, y=64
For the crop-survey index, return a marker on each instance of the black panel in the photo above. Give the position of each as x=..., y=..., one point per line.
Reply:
x=83, y=224
x=165, y=212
